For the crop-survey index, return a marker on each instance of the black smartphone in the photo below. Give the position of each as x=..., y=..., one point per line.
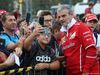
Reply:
x=2, y=43
x=23, y=31
x=41, y=20
x=27, y=18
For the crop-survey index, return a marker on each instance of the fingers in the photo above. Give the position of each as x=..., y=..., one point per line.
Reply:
x=32, y=25
x=18, y=51
x=39, y=66
x=22, y=39
x=10, y=55
x=39, y=29
x=24, y=23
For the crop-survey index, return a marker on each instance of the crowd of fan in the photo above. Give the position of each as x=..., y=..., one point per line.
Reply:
x=42, y=46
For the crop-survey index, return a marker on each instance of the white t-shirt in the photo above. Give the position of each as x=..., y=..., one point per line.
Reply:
x=98, y=41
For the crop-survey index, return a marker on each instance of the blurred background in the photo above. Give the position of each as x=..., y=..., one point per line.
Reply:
x=32, y=6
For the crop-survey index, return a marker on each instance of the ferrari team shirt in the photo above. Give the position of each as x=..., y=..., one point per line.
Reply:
x=79, y=48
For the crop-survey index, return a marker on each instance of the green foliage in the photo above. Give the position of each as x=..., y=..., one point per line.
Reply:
x=7, y=5
x=75, y=1
x=46, y=4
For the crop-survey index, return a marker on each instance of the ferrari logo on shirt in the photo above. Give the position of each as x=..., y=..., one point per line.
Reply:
x=70, y=34
x=73, y=35
x=63, y=39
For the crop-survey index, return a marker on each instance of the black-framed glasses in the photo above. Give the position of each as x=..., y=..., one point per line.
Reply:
x=48, y=20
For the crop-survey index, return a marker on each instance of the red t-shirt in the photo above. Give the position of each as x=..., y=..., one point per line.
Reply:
x=87, y=11
x=79, y=49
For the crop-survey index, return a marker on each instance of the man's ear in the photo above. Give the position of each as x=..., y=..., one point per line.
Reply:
x=72, y=15
x=55, y=31
x=3, y=23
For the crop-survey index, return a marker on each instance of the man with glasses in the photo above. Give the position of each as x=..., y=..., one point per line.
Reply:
x=47, y=17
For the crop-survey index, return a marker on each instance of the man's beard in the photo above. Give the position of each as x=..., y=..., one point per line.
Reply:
x=65, y=23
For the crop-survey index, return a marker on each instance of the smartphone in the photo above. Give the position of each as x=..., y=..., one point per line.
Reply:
x=41, y=20
x=23, y=31
x=2, y=43
x=27, y=18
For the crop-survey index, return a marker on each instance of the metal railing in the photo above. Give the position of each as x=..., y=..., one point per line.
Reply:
x=61, y=71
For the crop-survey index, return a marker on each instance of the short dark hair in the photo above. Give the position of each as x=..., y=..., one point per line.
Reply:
x=91, y=3
x=16, y=13
x=4, y=17
x=57, y=25
x=45, y=13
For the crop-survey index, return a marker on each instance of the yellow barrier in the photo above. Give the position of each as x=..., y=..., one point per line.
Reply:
x=16, y=70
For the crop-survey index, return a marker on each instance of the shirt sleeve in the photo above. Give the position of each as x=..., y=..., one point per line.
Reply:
x=90, y=59
x=7, y=40
x=87, y=41
x=86, y=36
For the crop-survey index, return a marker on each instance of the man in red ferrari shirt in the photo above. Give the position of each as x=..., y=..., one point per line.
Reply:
x=90, y=6
x=78, y=45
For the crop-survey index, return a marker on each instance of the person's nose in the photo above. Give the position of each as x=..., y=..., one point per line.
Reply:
x=14, y=21
x=46, y=36
x=61, y=18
